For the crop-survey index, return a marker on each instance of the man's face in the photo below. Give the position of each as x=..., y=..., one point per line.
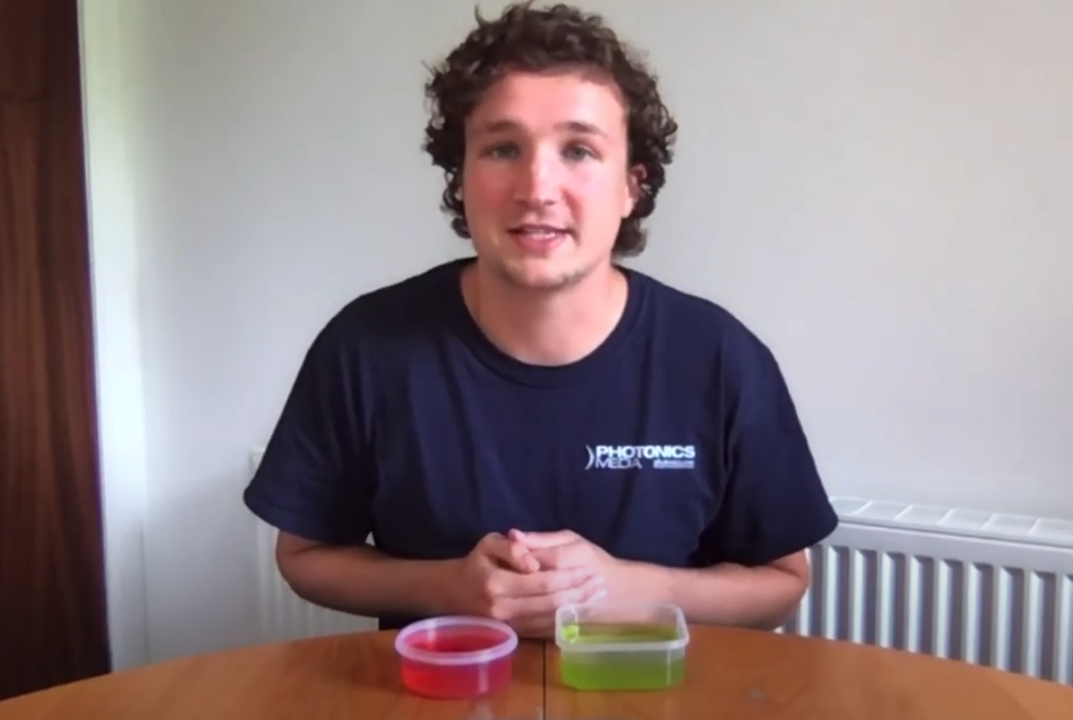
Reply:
x=545, y=179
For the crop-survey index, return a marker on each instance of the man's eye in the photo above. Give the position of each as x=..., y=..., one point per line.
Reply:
x=502, y=151
x=577, y=152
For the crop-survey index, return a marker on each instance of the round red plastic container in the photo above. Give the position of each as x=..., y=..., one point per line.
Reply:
x=456, y=657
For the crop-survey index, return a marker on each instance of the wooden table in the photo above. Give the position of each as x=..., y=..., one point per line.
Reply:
x=731, y=674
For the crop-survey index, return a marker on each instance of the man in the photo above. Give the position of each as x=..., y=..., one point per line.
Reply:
x=538, y=425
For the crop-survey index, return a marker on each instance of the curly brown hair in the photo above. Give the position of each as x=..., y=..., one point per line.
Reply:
x=530, y=40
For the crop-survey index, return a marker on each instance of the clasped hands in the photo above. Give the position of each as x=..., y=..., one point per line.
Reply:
x=522, y=578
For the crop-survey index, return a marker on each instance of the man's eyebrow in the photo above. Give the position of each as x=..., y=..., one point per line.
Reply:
x=506, y=125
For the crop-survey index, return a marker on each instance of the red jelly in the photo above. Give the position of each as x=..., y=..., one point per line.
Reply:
x=456, y=657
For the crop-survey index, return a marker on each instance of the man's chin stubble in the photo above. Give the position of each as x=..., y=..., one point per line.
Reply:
x=560, y=281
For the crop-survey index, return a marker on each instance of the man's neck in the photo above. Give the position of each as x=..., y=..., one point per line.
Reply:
x=546, y=328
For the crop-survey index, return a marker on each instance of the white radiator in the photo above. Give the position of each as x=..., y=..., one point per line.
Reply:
x=989, y=589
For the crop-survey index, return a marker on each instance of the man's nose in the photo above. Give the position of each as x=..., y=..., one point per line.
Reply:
x=536, y=182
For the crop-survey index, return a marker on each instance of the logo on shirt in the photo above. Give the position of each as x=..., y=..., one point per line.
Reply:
x=627, y=457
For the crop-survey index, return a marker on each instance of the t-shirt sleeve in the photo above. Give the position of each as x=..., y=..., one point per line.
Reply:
x=314, y=479
x=773, y=499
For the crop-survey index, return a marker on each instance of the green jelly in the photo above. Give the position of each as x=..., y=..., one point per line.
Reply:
x=608, y=667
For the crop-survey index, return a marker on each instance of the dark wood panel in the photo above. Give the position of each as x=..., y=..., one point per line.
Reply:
x=53, y=623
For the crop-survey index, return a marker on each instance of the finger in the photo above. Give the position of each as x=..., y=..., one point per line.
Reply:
x=561, y=557
x=545, y=582
x=518, y=538
x=544, y=605
x=544, y=539
x=509, y=553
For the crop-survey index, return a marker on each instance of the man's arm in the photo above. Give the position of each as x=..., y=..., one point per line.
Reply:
x=316, y=485
x=316, y=482
x=751, y=565
x=364, y=581
x=763, y=597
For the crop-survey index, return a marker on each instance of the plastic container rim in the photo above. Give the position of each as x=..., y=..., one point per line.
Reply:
x=471, y=657
x=680, y=626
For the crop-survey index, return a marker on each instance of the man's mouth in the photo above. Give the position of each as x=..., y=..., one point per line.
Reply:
x=538, y=232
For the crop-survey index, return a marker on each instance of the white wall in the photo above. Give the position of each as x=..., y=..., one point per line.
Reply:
x=111, y=122
x=879, y=189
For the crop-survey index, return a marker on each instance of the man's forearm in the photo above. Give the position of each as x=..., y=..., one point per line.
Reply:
x=759, y=597
x=364, y=581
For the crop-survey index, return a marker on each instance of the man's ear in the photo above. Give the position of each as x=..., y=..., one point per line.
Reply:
x=634, y=177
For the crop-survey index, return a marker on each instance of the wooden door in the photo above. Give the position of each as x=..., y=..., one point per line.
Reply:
x=53, y=624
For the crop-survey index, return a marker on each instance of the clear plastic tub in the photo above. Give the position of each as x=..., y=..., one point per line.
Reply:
x=456, y=657
x=621, y=647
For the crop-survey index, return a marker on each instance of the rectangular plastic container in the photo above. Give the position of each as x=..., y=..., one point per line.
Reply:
x=621, y=647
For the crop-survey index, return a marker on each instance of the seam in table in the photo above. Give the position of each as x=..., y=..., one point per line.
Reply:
x=544, y=680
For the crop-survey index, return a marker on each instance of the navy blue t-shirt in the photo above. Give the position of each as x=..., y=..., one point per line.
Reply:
x=676, y=442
